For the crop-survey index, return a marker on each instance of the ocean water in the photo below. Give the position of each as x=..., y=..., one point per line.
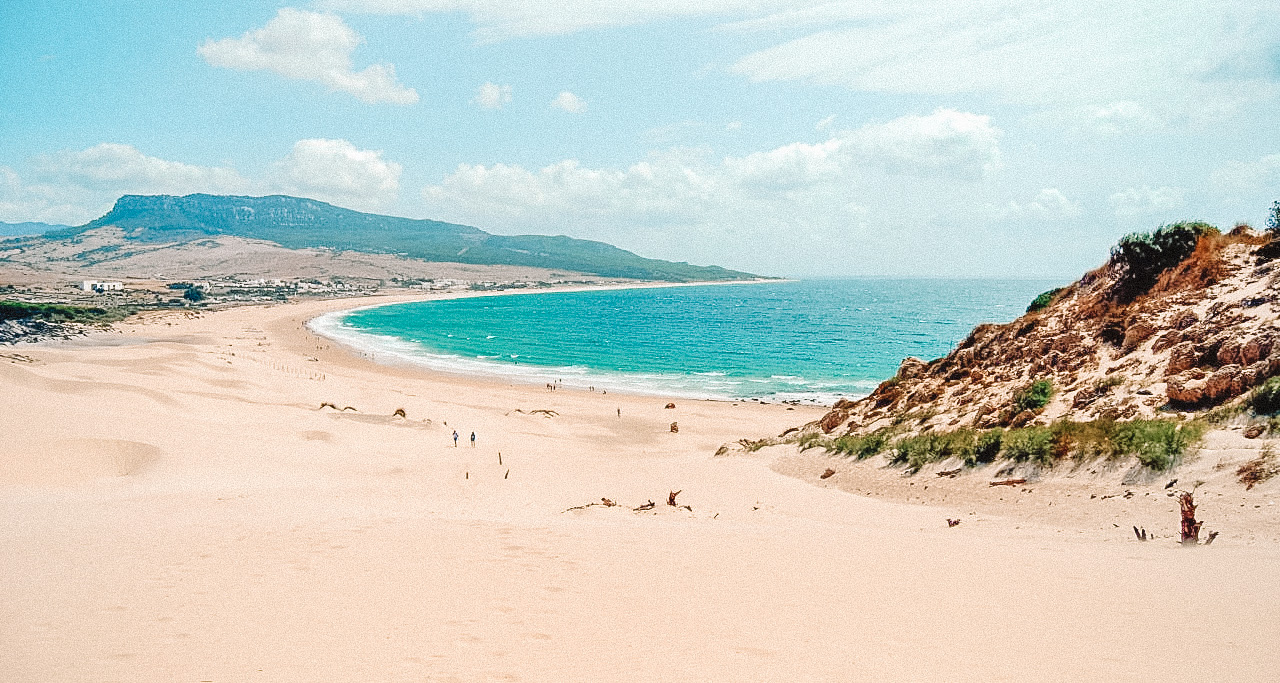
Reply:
x=809, y=341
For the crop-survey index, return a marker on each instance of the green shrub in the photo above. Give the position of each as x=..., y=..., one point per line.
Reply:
x=861, y=447
x=1144, y=256
x=1157, y=444
x=1034, y=396
x=1273, y=219
x=923, y=449
x=1042, y=301
x=814, y=440
x=987, y=447
x=17, y=310
x=1265, y=400
x=1032, y=444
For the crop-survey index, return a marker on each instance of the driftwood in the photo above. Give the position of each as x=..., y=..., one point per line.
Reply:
x=671, y=497
x=1140, y=533
x=1008, y=482
x=828, y=474
x=671, y=406
x=1190, y=528
x=604, y=502
x=507, y=474
x=399, y=413
x=952, y=522
x=647, y=506
x=675, y=428
x=951, y=474
x=540, y=411
x=1212, y=535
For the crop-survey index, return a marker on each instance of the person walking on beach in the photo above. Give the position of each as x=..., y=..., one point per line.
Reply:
x=473, y=439
x=455, y=438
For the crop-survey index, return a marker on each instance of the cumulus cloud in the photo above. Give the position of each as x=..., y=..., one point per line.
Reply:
x=1246, y=177
x=309, y=46
x=74, y=187
x=1049, y=204
x=337, y=171
x=123, y=168
x=567, y=101
x=1146, y=201
x=492, y=96
x=819, y=193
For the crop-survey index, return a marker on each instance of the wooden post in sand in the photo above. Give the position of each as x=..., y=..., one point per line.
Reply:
x=1190, y=527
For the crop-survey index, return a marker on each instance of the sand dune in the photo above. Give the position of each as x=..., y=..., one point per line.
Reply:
x=255, y=536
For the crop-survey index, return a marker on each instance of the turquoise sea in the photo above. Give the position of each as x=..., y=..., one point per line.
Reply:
x=809, y=341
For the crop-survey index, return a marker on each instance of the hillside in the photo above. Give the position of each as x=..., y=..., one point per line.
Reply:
x=1136, y=360
x=296, y=223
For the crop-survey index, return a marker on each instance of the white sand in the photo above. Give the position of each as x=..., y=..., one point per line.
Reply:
x=177, y=508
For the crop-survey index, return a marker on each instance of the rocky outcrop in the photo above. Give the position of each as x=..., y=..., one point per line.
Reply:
x=1204, y=334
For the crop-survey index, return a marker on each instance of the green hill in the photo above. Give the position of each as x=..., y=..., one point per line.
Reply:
x=297, y=223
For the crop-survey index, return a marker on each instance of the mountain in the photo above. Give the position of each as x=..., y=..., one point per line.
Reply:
x=297, y=223
x=29, y=228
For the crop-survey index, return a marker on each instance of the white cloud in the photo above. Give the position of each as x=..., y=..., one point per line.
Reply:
x=492, y=96
x=115, y=167
x=74, y=187
x=567, y=101
x=338, y=172
x=946, y=141
x=309, y=46
x=1050, y=204
x=817, y=193
x=501, y=19
x=1239, y=177
x=1038, y=51
x=1146, y=201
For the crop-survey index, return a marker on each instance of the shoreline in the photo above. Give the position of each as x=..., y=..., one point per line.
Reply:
x=382, y=349
x=183, y=508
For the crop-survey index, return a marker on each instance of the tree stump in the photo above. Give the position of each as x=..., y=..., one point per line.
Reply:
x=1190, y=527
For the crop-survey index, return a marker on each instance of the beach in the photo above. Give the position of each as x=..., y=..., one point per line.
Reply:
x=180, y=505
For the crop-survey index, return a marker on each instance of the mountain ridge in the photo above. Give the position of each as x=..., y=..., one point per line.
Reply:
x=298, y=223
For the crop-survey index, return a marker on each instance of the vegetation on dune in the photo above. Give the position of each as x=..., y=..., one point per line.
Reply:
x=1034, y=396
x=1156, y=444
x=1265, y=399
x=20, y=310
x=1144, y=256
x=1042, y=301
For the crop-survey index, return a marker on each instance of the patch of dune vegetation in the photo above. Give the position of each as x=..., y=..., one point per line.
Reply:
x=1156, y=444
x=61, y=313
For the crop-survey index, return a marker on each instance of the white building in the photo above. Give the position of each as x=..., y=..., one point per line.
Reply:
x=97, y=286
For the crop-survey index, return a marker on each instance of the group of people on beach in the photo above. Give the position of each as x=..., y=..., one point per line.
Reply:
x=455, y=439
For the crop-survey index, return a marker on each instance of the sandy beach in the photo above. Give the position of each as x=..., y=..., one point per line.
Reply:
x=179, y=507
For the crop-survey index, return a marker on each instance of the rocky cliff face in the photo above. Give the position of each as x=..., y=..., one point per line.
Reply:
x=1202, y=335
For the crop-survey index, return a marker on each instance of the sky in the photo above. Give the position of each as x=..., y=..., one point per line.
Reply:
x=997, y=138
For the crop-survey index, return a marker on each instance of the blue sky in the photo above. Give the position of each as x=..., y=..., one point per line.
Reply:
x=836, y=138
